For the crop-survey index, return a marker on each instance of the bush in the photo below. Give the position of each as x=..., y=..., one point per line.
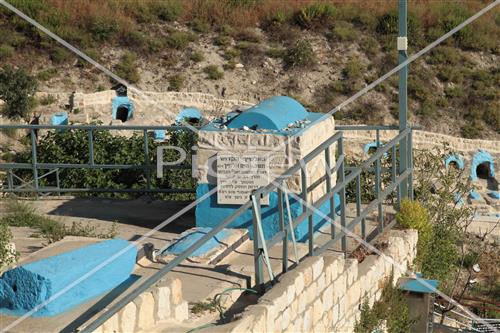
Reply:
x=7, y=256
x=344, y=31
x=179, y=39
x=300, y=55
x=59, y=55
x=6, y=51
x=175, y=82
x=127, y=68
x=197, y=56
x=103, y=28
x=47, y=100
x=17, y=89
x=223, y=40
x=167, y=10
x=315, y=15
x=413, y=215
x=213, y=72
x=199, y=26
x=46, y=74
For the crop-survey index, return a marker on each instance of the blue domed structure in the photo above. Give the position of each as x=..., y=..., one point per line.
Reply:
x=274, y=113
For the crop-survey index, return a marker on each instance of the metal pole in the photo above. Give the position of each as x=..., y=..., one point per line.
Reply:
x=305, y=208
x=378, y=185
x=403, y=90
x=342, y=197
x=358, y=206
x=146, y=159
x=283, y=229
x=257, y=246
x=91, y=147
x=328, y=168
x=34, y=160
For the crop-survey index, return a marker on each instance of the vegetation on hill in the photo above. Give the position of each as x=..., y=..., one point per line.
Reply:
x=446, y=86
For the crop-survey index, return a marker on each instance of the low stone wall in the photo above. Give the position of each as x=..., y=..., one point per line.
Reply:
x=324, y=293
x=163, y=302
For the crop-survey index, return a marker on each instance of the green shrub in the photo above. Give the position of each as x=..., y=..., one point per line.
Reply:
x=17, y=90
x=47, y=100
x=413, y=215
x=353, y=69
x=223, y=40
x=103, y=28
x=472, y=129
x=454, y=92
x=427, y=109
x=175, y=82
x=276, y=52
x=167, y=10
x=59, y=55
x=344, y=31
x=6, y=51
x=46, y=74
x=127, y=69
x=199, y=26
x=231, y=53
x=179, y=39
x=134, y=38
x=248, y=35
x=213, y=72
x=315, y=15
x=301, y=55
x=230, y=65
x=197, y=56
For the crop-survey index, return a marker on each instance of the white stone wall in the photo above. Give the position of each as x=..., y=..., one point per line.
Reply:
x=163, y=302
x=324, y=293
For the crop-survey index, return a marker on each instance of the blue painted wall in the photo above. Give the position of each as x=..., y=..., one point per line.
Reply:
x=210, y=214
x=24, y=287
x=480, y=157
x=187, y=113
x=455, y=158
x=274, y=113
x=119, y=101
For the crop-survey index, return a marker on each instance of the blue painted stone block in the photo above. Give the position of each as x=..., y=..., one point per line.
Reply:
x=210, y=214
x=25, y=287
x=457, y=159
x=187, y=114
x=474, y=195
x=482, y=156
x=494, y=194
x=122, y=101
x=274, y=113
x=159, y=134
x=59, y=118
x=192, y=236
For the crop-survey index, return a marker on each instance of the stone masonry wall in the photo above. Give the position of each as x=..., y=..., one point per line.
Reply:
x=163, y=302
x=324, y=293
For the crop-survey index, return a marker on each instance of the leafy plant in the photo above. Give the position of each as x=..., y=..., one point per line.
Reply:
x=300, y=55
x=197, y=57
x=315, y=15
x=127, y=68
x=175, y=82
x=17, y=90
x=213, y=72
x=7, y=255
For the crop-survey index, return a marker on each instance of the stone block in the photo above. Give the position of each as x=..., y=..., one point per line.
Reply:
x=307, y=320
x=181, y=311
x=299, y=283
x=311, y=293
x=327, y=298
x=351, y=268
x=285, y=319
x=176, y=291
x=163, y=308
x=259, y=313
x=128, y=318
x=277, y=296
x=317, y=267
x=146, y=310
x=111, y=325
x=317, y=310
x=320, y=284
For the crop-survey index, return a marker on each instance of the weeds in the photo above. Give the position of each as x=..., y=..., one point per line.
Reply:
x=175, y=82
x=213, y=72
x=300, y=55
x=19, y=214
x=197, y=56
x=127, y=68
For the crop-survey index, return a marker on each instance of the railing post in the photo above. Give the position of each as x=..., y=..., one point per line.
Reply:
x=34, y=160
x=378, y=185
x=283, y=228
x=341, y=178
x=91, y=146
x=403, y=93
x=328, y=175
x=10, y=180
x=147, y=165
x=58, y=182
x=310, y=227
x=410, y=163
x=257, y=246
x=358, y=206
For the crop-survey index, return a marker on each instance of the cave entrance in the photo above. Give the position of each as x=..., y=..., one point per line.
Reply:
x=122, y=113
x=483, y=170
x=454, y=165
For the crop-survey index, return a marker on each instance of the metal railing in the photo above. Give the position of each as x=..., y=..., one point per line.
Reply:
x=260, y=244
x=35, y=166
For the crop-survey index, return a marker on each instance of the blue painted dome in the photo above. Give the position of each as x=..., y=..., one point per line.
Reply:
x=274, y=113
x=188, y=113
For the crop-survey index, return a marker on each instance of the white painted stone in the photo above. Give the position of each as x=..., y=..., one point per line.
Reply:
x=299, y=283
x=181, y=311
x=176, y=291
x=307, y=320
x=163, y=303
x=111, y=325
x=327, y=298
x=146, y=313
x=128, y=318
x=317, y=267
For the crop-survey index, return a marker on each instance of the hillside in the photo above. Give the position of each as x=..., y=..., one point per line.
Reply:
x=317, y=52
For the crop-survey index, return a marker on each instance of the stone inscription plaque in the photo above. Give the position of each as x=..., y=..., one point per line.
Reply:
x=238, y=175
